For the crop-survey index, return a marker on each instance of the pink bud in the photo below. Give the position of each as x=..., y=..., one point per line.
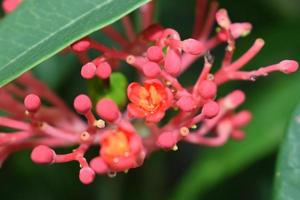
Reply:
x=32, y=102
x=242, y=118
x=151, y=69
x=240, y=29
x=234, y=99
x=172, y=62
x=107, y=109
x=169, y=33
x=82, y=45
x=207, y=89
x=88, y=70
x=223, y=19
x=237, y=135
x=210, y=109
x=82, y=104
x=192, y=46
x=43, y=155
x=186, y=103
x=166, y=140
x=154, y=53
x=99, y=165
x=86, y=175
x=103, y=70
x=288, y=66
x=10, y=5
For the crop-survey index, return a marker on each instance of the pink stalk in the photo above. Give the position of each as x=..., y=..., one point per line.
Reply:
x=199, y=17
x=129, y=30
x=246, y=57
x=110, y=32
x=11, y=123
x=147, y=12
x=209, y=21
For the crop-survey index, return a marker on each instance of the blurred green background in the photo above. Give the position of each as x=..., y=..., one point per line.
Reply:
x=239, y=170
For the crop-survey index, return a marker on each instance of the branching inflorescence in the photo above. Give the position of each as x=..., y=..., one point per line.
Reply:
x=159, y=55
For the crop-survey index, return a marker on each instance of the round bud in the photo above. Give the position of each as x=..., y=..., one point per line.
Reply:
x=240, y=29
x=288, y=66
x=223, y=18
x=10, y=5
x=166, y=140
x=192, y=46
x=186, y=103
x=99, y=165
x=88, y=70
x=103, y=70
x=43, y=155
x=151, y=69
x=107, y=110
x=154, y=53
x=172, y=62
x=82, y=45
x=211, y=109
x=82, y=104
x=86, y=175
x=32, y=102
x=207, y=89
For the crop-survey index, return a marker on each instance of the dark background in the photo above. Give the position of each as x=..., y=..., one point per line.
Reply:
x=240, y=170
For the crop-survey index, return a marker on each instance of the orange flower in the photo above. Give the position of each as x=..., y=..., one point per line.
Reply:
x=149, y=101
x=121, y=149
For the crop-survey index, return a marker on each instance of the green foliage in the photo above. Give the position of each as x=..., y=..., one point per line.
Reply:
x=39, y=29
x=287, y=180
x=114, y=88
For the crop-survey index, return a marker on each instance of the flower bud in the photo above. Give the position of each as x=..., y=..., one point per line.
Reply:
x=151, y=69
x=10, y=5
x=288, y=66
x=103, y=70
x=186, y=103
x=173, y=62
x=240, y=29
x=166, y=140
x=207, y=89
x=88, y=70
x=32, y=102
x=154, y=53
x=223, y=18
x=211, y=109
x=99, y=165
x=82, y=104
x=107, y=110
x=43, y=155
x=81, y=46
x=192, y=46
x=86, y=175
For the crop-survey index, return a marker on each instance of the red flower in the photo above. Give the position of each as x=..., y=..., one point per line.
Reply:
x=149, y=101
x=122, y=149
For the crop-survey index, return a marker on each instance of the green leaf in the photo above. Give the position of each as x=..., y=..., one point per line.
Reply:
x=39, y=29
x=115, y=89
x=287, y=180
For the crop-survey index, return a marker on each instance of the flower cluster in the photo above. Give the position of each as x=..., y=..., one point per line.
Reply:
x=160, y=56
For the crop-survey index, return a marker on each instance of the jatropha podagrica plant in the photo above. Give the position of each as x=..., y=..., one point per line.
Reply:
x=160, y=56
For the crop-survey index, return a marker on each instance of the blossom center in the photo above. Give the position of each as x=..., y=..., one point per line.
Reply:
x=149, y=99
x=116, y=144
